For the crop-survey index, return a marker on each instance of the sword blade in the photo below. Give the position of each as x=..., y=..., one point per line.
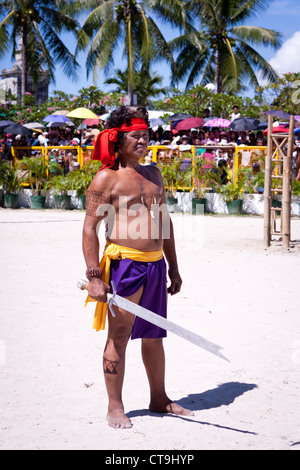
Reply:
x=152, y=317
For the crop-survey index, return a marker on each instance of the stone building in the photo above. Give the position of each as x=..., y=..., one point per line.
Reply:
x=10, y=83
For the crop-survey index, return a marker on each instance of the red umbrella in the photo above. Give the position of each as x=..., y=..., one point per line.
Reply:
x=278, y=130
x=91, y=122
x=188, y=123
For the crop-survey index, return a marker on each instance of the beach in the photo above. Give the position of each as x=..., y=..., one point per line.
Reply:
x=235, y=293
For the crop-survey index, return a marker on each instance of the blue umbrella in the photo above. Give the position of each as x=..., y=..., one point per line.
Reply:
x=297, y=130
x=279, y=113
x=56, y=118
x=262, y=125
x=156, y=122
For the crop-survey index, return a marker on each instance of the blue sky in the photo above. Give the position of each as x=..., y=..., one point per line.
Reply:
x=282, y=16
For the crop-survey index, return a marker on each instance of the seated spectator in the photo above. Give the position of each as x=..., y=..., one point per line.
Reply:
x=156, y=139
x=221, y=155
x=212, y=137
x=196, y=141
x=185, y=146
x=233, y=137
x=252, y=139
x=243, y=140
x=5, y=152
x=202, y=137
x=224, y=140
x=260, y=142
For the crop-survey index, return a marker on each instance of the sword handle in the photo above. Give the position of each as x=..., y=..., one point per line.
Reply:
x=83, y=285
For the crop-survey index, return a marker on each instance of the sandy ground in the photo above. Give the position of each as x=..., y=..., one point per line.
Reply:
x=235, y=293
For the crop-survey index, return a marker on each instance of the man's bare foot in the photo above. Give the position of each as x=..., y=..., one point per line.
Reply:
x=170, y=407
x=117, y=419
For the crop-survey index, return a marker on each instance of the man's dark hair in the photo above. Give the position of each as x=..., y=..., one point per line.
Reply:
x=124, y=114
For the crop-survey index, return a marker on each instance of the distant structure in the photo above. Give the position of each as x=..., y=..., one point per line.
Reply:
x=10, y=83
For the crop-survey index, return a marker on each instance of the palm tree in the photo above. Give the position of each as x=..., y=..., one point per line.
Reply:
x=222, y=51
x=34, y=26
x=128, y=23
x=145, y=84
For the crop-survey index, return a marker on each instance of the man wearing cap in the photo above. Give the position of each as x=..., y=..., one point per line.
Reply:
x=126, y=195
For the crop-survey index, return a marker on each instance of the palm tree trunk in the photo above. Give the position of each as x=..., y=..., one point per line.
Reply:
x=218, y=74
x=24, y=65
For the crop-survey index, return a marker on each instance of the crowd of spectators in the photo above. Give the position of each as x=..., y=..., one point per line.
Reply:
x=55, y=139
x=219, y=144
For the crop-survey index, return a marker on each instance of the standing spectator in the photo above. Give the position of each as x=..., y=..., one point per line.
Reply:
x=235, y=114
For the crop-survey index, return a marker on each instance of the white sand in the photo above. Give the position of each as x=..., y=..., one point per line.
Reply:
x=235, y=293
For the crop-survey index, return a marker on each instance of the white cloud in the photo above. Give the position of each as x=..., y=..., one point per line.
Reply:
x=287, y=58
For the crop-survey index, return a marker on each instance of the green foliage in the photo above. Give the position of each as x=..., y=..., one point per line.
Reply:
x=201, y=179
x=81, y=179
x=38, y=26
x=284, y=94
x=11, y=178
x=36, y=173
x=222, y=48
x=296, y=188
x=231, y=191
x=195, y=100
x=172, y=176
x=59, y=184
x=91, y=98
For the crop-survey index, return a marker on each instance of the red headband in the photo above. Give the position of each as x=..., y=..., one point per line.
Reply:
x=104, y=146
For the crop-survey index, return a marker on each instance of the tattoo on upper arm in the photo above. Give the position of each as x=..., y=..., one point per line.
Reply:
x=94, y=199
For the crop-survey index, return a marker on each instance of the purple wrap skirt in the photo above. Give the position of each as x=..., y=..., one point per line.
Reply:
x=129, y=276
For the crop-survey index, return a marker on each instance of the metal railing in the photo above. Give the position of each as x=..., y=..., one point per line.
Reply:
x=243, y=156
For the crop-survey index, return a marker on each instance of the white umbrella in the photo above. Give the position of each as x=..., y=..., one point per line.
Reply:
x=34, y=125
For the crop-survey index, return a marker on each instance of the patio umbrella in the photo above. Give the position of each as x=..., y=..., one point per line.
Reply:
x=188, y=123
x=104, y=117
x=16, y=129
x=6, y=123
x=218, y=122
x=178, y=117
x=262, y=125
x=156, y=122
x=60, y=124
x=209, y=118
x=244, y=124
x=82, y=113
x=278, y=130
x=279, y=113
x=57, y=118
x=63, y=112
x=34, y=125
x=91, y=122
x=297, y=130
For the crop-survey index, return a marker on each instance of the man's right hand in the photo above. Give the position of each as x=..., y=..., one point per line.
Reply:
x=98, y=290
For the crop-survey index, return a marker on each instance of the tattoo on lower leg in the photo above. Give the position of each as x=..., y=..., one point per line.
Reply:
x=110, y=367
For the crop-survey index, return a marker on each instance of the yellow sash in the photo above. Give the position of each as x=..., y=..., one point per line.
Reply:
x=113, y=251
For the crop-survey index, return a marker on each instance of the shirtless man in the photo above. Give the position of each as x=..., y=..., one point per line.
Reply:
x=135, y=257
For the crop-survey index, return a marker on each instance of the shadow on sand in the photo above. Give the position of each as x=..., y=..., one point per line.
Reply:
x=224, y=394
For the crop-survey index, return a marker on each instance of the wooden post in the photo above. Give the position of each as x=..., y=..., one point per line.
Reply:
x=268, y=184
x=286, y=189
